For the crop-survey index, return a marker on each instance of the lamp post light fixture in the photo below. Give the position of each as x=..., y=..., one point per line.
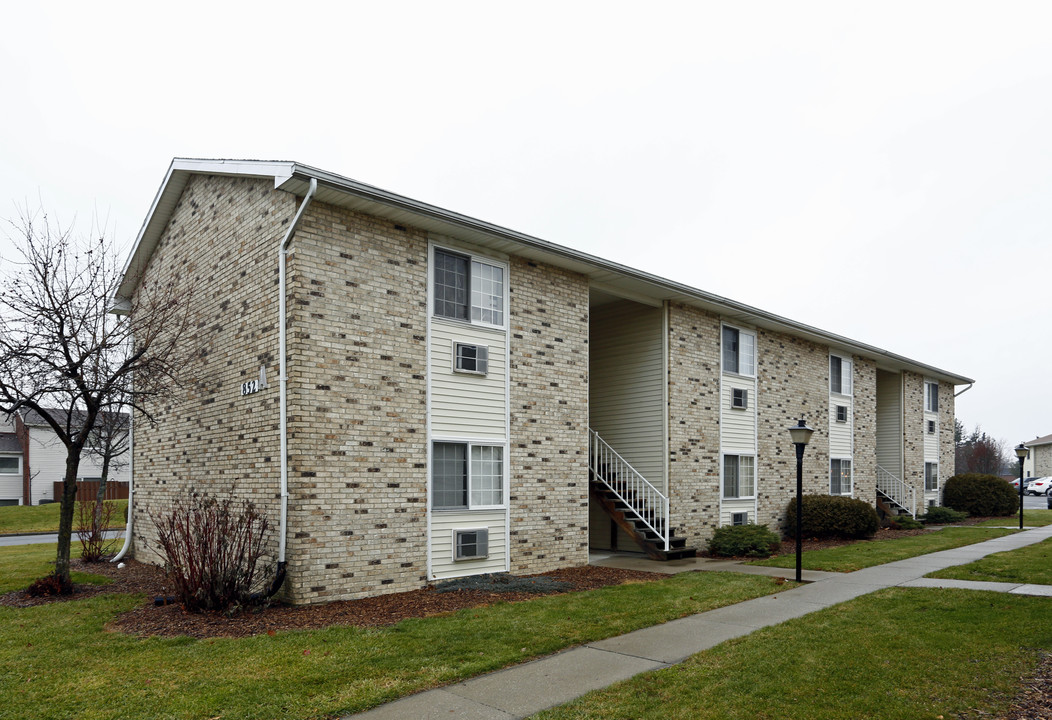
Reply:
x=801, y=435
x=1021, y=451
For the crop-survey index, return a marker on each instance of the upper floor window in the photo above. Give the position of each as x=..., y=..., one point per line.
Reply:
x=468, y=289
x=931, y=397
x=739, y=351
x=839, y=375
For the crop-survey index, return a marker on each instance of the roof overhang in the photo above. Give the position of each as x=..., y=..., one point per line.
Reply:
x=347, y=193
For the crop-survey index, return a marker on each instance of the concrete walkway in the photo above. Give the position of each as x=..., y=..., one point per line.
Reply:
x=522, y=690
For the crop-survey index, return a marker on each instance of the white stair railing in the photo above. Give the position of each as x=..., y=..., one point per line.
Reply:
x=900, y=493
x=643, y=499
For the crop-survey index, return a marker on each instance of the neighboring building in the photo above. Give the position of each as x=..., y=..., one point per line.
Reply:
x=1039, y=462
x=33, y=461
x=450, y=383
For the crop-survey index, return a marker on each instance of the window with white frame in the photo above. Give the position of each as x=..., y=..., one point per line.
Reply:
x=739, y=351
x=10, y=464
x=739, y=476
x=470, y=358
x=931, y=397
x=839, y=476
x=931, y=476
x=469, y=289
x=839, y=375
x=466, y=476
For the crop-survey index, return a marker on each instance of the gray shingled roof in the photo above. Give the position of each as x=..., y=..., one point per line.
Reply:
x=9, y=443
x=1047, y=439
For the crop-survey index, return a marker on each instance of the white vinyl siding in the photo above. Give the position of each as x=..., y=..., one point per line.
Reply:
x=442, y=526
x=626, y=384
x=738, y=430
x=889, y=422
x=467, y=404
x=47, y=463
x=841, y=433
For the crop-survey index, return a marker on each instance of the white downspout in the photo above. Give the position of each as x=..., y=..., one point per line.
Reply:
x=283, y=387
x=131, y=486
x=962, y=392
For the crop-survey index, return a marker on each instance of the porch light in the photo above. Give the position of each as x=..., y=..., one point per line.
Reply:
x=801, y=435
x=1021, y=451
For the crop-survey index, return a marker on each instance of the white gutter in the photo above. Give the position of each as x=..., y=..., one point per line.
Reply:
x=962, y=392
x=283, y=388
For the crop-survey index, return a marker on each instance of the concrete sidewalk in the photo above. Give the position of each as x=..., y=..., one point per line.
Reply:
x=522, y=690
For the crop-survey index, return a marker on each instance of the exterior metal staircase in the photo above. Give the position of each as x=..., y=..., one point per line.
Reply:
x=633, y=503
x=891, y=489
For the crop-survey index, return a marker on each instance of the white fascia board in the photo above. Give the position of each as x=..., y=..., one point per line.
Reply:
x=164, y=201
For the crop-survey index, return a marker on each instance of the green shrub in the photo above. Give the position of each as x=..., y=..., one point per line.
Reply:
x=980, y=495
x=833, y=516
x=942, y=516
x=744, y=541
x=905, y=522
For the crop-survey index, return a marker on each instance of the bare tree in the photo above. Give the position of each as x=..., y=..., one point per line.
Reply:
x=65, y=355
x=977, y=452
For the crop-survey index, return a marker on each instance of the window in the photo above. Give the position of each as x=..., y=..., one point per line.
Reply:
x=841, y=413
x=468, y=289
x=739, y=351
x=739, y=398
x=738, y=476
x=931, y=476
x=10, y=465
x=459, y=484
x=931, y=397
x=468, y=358
x=470, y=544
x=931, y=427
x=839, y=477
x=740, y=518
x=839, y=375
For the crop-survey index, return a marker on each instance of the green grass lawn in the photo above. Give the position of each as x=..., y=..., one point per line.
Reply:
x=897, y=654
x=22, y=564
x=1031, y=564
x=15, y=519
x=57, y=661
x=1031, y=518
x=849, y=558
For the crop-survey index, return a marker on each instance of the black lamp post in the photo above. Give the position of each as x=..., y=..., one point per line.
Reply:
x=801, y=435
x=1021, y=451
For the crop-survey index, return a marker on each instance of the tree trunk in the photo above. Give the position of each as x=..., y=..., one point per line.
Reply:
x=65, y=521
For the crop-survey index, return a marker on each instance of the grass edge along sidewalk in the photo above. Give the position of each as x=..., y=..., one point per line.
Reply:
x=59, y=661
x=1028, y=565
x=897, y=653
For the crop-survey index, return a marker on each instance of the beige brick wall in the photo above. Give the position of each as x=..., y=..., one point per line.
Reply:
x=913, y=432
x=793, y=382
x=694, y=414
x=357, y=407
x=1042, y=460
x=946, y=446
x=865, y=430
x=220, y=241
x=548, y=461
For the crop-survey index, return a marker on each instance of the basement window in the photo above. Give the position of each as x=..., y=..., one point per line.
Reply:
x=470, y=544
x=739, y=398
x=471, y=359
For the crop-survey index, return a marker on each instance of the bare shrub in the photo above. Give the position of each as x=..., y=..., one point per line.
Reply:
x=93, y=518
x=212, y=551
x=49, y=585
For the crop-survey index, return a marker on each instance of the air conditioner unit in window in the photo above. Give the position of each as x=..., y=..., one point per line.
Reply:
x=470, y=544
x=739, y=398
x=470, y=358
x=741, y=518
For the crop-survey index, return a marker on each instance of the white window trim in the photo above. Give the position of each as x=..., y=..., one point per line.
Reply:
x=470, y=443
x=18, y=459
x=723, y=479
x=755, y=354
x=927, y=396
x=851, y=477
x=472, y=257
x=936, y=466
x=849, y=363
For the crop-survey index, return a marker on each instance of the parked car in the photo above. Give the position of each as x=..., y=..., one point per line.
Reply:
x=1026, y=483
x=1039, y=486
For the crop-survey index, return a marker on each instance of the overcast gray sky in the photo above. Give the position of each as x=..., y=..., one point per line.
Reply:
x=880, y=171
